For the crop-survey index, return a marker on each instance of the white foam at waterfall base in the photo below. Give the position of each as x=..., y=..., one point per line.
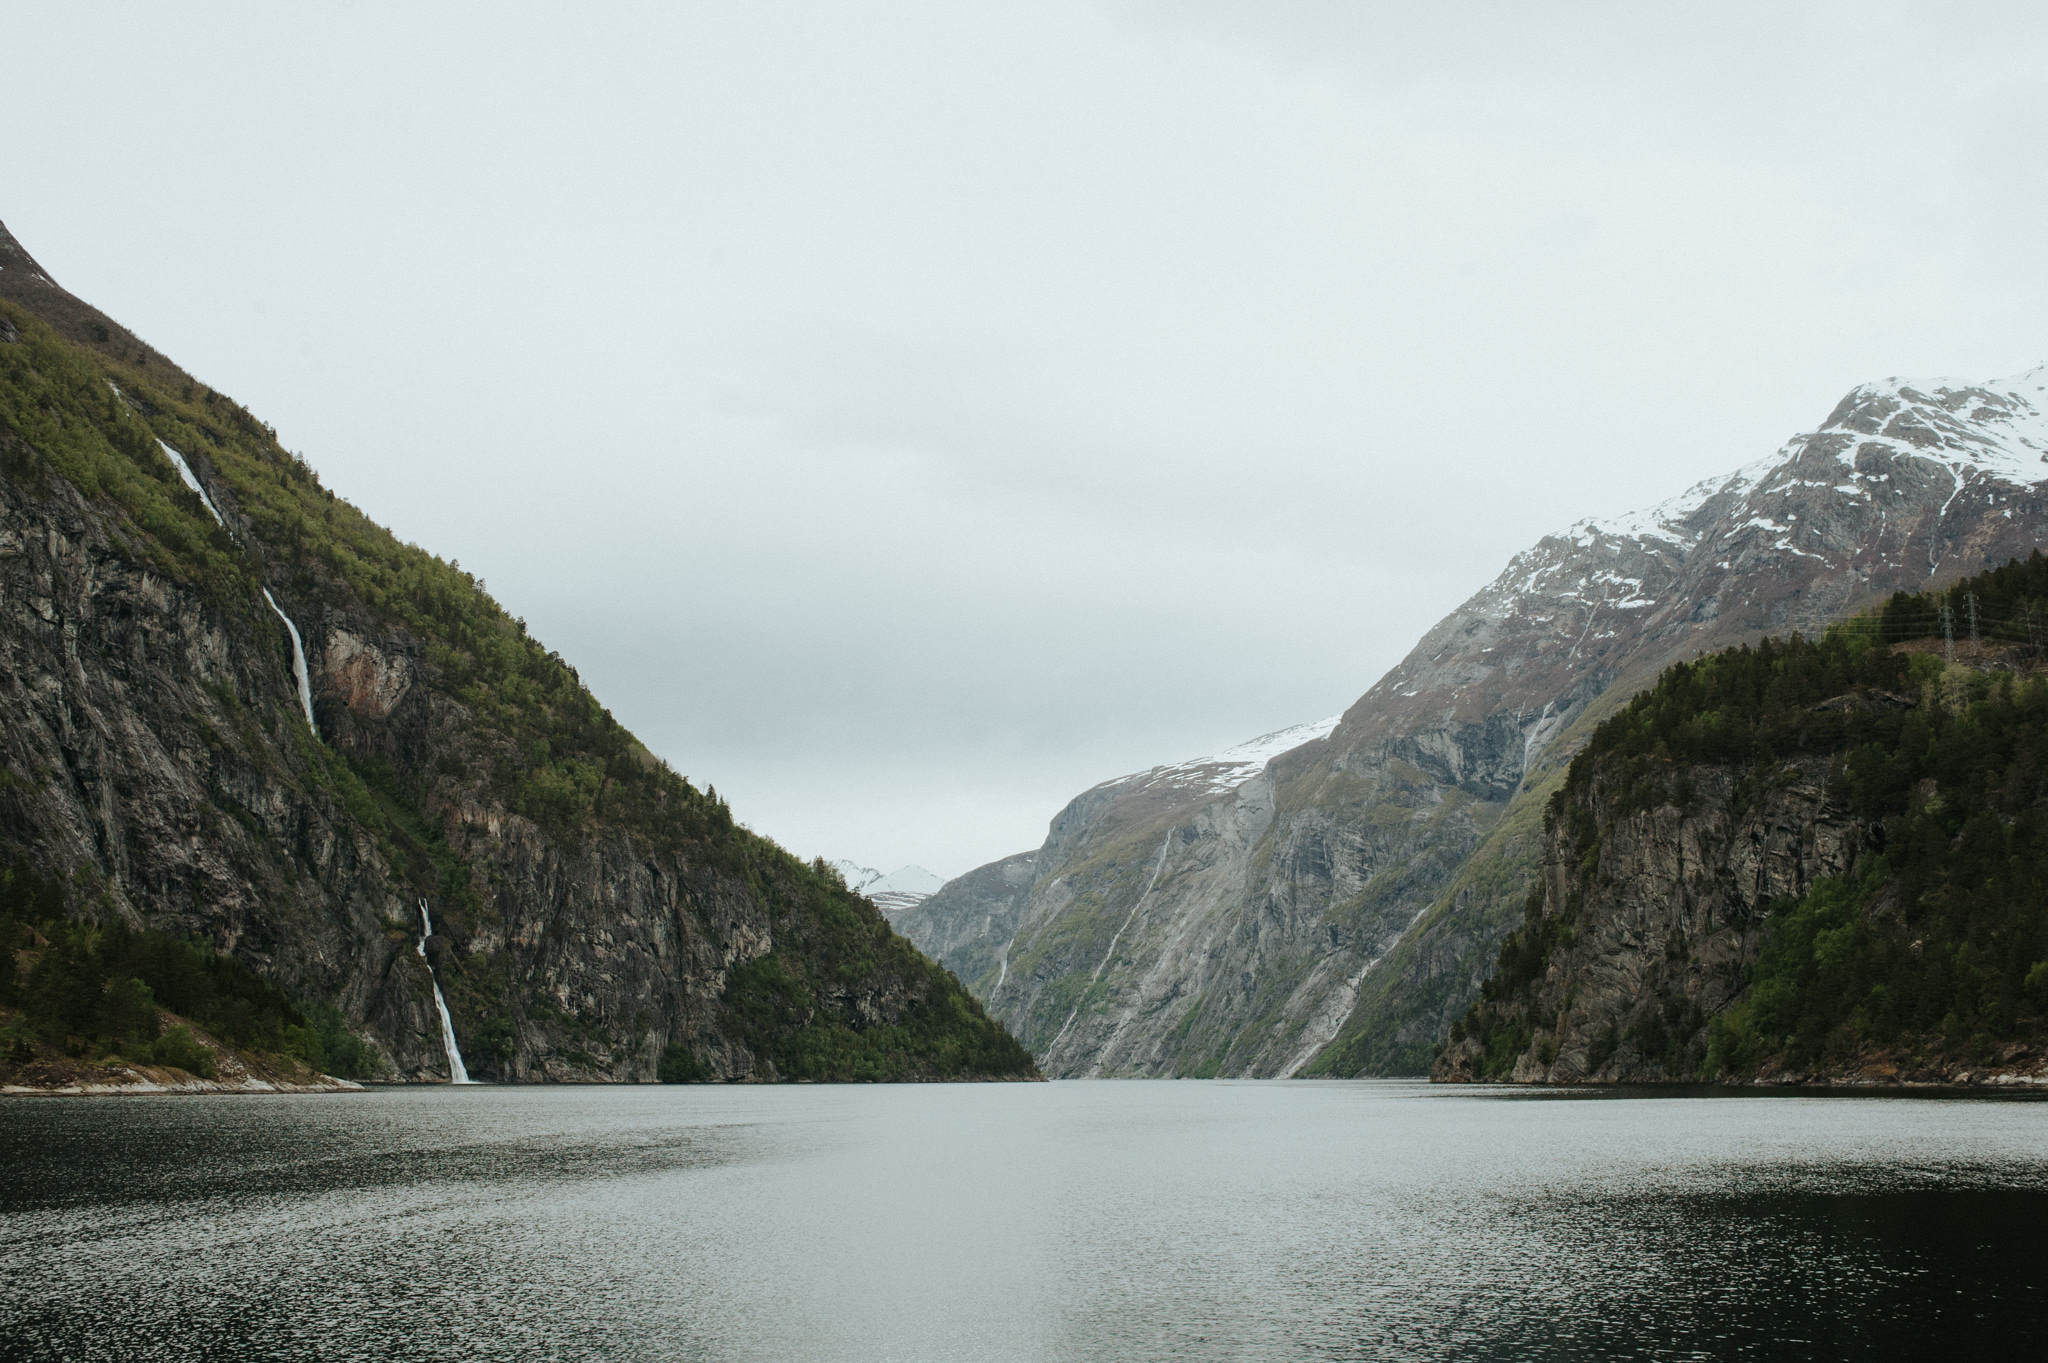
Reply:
x=458, y=1073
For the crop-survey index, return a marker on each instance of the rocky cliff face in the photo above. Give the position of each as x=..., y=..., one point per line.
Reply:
x=1337, y=913
x=1813, y=861
x=969, y=921
x=1661, y=914
x=593, y=913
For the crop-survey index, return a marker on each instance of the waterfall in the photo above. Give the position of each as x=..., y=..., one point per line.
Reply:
x=457, y=1072
x=305, y=678
x=192, y=481
x=299, y=670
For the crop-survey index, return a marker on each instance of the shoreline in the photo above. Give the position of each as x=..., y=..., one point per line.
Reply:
x=236, y=1073
x=2003, y=1082
x=147, y=1080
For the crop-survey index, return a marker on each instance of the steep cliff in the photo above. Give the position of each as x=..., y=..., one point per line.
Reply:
x=1337, y=912
x=1807, y=862
x=969, y=921
x=173, y=759
x=1077, y=961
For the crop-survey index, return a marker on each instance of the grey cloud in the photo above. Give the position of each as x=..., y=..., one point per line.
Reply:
x=908, y=415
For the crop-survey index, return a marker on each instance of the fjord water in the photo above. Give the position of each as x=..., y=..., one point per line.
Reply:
x=1084, y=1220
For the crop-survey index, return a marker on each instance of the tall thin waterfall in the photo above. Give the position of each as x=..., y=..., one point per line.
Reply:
x=458, y=1073
x=298, y=663
x=299, y=670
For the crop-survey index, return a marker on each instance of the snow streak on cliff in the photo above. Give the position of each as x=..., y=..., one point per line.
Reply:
x=1200, y=777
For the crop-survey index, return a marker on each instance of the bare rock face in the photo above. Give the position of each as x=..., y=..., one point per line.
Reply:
x=362, y=676
x=1337, y=913
x=969, y=921
x=144, y=755
x=1667, y=917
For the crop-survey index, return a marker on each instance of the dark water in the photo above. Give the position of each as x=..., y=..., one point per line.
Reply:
x=1038, y=1221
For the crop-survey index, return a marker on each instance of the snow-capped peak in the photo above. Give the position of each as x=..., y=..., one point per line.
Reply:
x=1999, y=428
x=856, y=875
x=904, y=880
x=894, y=892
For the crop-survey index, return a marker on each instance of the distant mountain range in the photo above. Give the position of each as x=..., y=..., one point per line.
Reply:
x=900, y=889
x=1334, y=910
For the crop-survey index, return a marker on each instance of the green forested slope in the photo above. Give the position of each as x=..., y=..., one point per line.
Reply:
x=1927, y=950
x=549, y=841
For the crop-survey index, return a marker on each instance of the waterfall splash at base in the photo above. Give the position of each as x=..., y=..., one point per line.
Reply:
x=458, y=1073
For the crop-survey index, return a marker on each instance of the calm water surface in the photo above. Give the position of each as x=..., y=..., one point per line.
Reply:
x=1022, y=1221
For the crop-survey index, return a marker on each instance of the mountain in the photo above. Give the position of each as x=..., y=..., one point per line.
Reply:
x=901, y=889
x=854, y=874
x=969, y=921
x=241, y=713
x=1008, y=928
x=1807, y=862
x=1336, y=913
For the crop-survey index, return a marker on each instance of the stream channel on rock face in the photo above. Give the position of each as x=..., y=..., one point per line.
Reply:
x=1084, y=1220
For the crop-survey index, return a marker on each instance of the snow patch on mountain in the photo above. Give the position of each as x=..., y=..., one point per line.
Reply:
x=1231, y=768
x=1668, y=520
x=905, y=880
x=1999, y=428
x=1996, y=430
x=856, y=875
x=900, y=889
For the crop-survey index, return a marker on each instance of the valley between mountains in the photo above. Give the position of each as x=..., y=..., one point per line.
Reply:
x=288, y=804
x=1333, y=908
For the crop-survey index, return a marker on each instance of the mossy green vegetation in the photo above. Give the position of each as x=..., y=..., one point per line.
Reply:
x=1936, y=943
x=99, y=993
x=556, y=755
x=944, y=1034
x=802, y=1009
x=510, y=728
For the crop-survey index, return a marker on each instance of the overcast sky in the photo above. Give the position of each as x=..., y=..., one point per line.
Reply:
x=906, y=416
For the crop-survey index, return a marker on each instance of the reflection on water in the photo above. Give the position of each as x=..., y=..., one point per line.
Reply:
x=1041, y=1221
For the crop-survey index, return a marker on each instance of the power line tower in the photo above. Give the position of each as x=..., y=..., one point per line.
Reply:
x=1948, y=631
x=1970, y=601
